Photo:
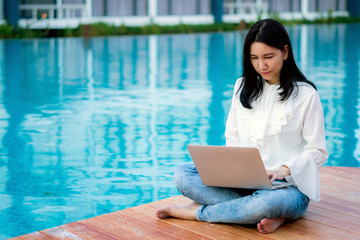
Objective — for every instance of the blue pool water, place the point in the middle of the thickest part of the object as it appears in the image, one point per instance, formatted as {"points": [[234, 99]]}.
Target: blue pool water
{"points": [[91, 126]]}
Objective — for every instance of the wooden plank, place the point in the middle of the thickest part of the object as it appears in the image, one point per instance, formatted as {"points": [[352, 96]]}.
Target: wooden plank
{"points": [[335, 223], [339, 174], [251, 232], [352, 171], [332, 232], [329, 213], [162, 225], [340, 205], [86, 232], [112, 229], [34, 236], [304, 232], [127, 223], [338, 181], [60, 233], [342, 192], [351, 174], [343, 184]]}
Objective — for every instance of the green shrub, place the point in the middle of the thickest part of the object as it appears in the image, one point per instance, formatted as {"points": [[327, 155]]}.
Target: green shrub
{"points": [[6, 31], [104, 29]]}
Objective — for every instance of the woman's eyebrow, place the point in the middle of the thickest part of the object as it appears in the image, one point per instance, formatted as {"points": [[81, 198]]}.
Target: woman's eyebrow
{"points": [[266, 54]]}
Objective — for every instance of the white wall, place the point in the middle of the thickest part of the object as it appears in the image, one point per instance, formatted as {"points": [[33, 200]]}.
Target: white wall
{"points": [[120, 12]]}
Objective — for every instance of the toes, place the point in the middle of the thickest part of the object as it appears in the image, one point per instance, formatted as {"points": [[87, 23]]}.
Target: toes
{"points": [[260, 228], [269, 225], [161, 213]]}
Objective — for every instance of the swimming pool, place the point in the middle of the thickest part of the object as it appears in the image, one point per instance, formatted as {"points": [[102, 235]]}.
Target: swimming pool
{"points": [[91, 126]]}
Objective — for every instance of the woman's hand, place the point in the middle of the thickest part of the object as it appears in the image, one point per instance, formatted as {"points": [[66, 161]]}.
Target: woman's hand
{"points": [[279, 173]]}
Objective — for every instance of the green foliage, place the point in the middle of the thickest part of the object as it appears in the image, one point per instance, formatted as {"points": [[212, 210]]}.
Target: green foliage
{"points": [[6, 31], [275, 16], [69, 32], [104, 29]]}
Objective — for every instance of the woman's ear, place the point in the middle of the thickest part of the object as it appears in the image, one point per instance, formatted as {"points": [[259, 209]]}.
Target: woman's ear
{"points": [[285, 52]]}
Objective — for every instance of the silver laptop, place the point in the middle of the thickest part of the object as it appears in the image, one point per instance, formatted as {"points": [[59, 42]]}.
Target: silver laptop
{"points": [[235, 167]]}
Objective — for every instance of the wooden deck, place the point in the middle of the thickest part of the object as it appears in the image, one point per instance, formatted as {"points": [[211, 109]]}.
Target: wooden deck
{"points": [[337, 216]]}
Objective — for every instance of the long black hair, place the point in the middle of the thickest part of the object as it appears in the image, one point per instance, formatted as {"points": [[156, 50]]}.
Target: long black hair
{"points": [[273, 34]]}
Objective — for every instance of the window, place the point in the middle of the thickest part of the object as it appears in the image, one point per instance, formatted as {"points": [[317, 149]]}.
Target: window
{"points": [[184, 7], [119, 7]]}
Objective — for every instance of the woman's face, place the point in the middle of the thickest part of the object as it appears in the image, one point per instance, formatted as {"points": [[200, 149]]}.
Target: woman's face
{"points": [[268, 60]]}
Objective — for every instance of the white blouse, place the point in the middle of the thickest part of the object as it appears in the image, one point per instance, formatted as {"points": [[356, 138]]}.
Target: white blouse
{"points": [[289, 133]]}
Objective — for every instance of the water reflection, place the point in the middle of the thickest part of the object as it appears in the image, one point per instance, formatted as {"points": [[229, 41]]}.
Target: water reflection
{"points": [[333, 63], [90, 126], [16, 147], [350, 101]]}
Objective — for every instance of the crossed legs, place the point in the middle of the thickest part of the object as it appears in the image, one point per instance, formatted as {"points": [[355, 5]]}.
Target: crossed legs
{"points": [[264, 207]]}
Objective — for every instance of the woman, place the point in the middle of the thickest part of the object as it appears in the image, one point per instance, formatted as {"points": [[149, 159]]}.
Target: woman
{"points": [[277, 110]]}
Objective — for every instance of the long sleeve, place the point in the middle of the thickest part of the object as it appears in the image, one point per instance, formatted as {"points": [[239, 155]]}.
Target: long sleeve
{"points": [[305, 167], [231, 131]]}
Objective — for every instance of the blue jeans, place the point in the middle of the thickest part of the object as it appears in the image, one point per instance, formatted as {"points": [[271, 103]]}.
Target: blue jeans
{"points": [[241, 206]]}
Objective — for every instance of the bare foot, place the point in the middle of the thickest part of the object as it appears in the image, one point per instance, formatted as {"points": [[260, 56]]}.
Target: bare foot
{"points": [[187, 212], [269, 225]]}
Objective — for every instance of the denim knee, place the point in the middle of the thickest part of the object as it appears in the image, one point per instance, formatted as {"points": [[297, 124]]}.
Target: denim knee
{"points": [[289, 203], [181, 176]]}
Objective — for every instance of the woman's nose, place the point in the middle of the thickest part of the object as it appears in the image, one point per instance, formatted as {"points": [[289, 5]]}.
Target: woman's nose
{"points": [[262, 65]]}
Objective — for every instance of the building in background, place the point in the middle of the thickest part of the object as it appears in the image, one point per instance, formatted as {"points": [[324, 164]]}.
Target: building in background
{"points": [[70, 13]]}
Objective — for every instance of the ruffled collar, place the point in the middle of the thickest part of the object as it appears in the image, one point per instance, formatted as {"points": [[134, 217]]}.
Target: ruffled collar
{"points": [[268, 115]]}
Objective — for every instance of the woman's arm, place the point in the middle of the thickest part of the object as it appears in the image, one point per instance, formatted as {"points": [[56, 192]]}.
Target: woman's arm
{"points": [[304, 168]]}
